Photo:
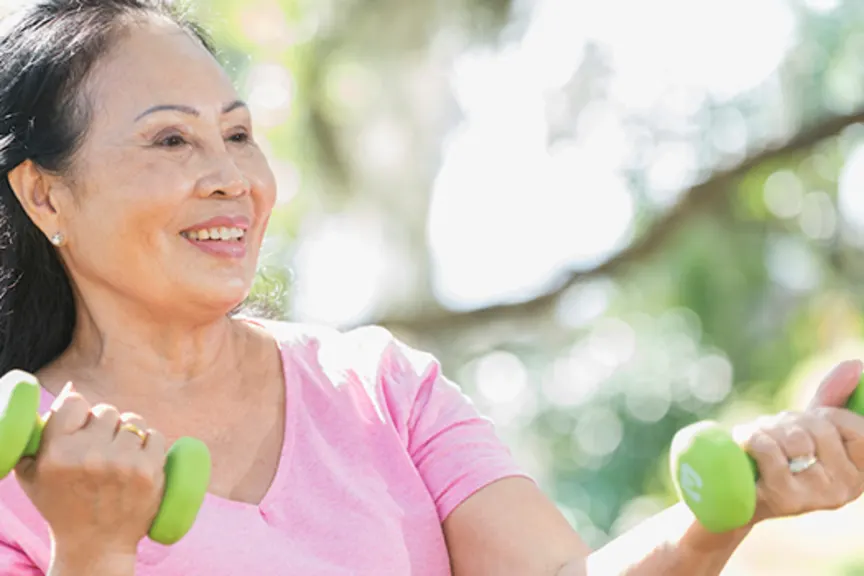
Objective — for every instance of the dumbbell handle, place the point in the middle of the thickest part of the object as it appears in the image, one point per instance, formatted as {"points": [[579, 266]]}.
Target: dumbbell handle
{"points": [[35, 440]]}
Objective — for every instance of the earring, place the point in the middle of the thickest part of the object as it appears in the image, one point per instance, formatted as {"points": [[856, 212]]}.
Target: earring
{"points": [[57, 239]]}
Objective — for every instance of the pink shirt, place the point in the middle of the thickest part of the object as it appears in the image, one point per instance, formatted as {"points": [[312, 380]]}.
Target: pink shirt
{"points": [[379, 448]]}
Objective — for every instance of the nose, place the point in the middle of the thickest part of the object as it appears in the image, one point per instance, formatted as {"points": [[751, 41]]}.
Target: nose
{"points": [[224, 179]]}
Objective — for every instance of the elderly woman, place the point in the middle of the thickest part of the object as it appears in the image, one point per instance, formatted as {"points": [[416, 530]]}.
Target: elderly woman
{"points": [[134, 200]]}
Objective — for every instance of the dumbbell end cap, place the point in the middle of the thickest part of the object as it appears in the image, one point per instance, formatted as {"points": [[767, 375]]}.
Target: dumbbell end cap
{"points": [[714, 476], [19, 405], [855, 402], [188, 467]]}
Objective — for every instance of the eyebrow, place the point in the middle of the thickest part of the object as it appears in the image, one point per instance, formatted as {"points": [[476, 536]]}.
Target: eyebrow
{"points": [[189, 109]]}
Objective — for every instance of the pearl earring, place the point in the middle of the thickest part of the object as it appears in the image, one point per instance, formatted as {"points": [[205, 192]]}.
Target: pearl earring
{"points": [[57, 239]]}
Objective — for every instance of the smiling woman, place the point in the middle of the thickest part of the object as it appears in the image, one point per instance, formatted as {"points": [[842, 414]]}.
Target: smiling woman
{"points": [[133, 203]]}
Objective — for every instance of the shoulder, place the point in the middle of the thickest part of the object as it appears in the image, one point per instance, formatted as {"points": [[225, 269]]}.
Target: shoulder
{"points": [[370, 346], [370, 356]]}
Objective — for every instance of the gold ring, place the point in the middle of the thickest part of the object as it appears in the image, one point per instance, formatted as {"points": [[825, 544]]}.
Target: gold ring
{"points": [[135, 430]]}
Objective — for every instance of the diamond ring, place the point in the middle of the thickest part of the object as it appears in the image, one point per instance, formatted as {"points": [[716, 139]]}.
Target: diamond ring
{"points": [[798, 465]]}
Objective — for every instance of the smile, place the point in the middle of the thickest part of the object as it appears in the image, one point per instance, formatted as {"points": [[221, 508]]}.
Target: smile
{"points": [[220, 233], [220, 241]]}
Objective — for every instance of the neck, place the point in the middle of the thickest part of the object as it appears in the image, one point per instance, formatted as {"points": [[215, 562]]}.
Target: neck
{"points": [[122, 348]]}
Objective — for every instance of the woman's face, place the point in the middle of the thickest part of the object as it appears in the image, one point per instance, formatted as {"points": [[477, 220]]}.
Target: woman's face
{"points": [[169, 195]]}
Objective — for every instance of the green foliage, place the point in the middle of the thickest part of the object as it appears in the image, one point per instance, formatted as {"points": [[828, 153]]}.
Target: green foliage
{"points": [[718, 322]]}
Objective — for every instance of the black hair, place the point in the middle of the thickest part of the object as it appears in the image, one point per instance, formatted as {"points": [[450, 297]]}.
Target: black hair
{"points": [[46, 52]]}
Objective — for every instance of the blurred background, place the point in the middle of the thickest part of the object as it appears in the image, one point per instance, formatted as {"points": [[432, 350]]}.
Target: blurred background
{"points": [[607, 219]]}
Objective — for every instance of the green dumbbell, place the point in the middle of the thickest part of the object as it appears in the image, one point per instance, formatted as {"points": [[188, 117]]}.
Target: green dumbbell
{"points": [[187, 462], [716, 478]]}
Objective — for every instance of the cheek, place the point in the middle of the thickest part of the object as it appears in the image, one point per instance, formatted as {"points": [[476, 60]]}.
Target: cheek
{"points": [[125, 222], [263, 183], [111, 243]]}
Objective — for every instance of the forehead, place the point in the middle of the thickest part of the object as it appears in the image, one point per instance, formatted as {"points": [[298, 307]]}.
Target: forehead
{"points": [[155, 62]]}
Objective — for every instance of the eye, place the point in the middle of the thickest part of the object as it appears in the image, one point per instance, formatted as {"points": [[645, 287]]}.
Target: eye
{"points": [[240, 137], [171, 141]]}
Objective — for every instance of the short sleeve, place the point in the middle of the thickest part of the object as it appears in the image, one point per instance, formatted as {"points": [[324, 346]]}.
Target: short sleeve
{"points": [[14, 561], [455, 448], [25, 541]]}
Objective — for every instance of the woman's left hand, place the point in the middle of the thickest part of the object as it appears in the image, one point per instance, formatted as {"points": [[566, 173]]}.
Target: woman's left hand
{"points": [[811, 460]]}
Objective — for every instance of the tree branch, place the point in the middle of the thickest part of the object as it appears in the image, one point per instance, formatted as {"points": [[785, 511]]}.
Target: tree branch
{"points": [[694, 200]]}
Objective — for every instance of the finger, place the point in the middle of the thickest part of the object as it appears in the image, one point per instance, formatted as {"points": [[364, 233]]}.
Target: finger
{"points": [[849, 425], [795, 434], [69, 413], [155, 446], [770, 459], [838, 386], [133, 439], [104, 420], [794, 440], [856, 454], [154, 452], [830, 448]]}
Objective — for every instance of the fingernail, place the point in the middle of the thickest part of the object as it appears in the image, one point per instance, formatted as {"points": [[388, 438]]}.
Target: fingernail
{"points": [[850, 366], [66, 391], [845, 367]]}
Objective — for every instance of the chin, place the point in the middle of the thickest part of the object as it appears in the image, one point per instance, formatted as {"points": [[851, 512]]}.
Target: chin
{"points": [[221, 300]]}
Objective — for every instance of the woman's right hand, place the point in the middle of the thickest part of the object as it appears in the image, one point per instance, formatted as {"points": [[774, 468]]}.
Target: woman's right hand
{"points": [[97, 485]]}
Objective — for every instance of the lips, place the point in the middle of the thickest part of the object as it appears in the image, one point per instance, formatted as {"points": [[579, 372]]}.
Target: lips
{"points": [[223, 236], [221, 228]]}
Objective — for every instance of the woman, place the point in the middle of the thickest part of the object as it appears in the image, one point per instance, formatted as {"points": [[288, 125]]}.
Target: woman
{"points": [[133, 207]]}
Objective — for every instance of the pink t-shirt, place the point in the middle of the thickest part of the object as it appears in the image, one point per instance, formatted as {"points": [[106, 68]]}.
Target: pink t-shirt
{"points": [[379, 448]]}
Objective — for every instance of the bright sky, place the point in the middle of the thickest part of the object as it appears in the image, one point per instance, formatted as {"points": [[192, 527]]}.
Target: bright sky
{"points": [[507, 212]]}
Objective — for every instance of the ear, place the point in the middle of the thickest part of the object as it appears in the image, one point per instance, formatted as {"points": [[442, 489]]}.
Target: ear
{"points": [[38, 192]]}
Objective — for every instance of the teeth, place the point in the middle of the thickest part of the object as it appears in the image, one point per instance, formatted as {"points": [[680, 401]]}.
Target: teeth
{"points": [[221, 233]]}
